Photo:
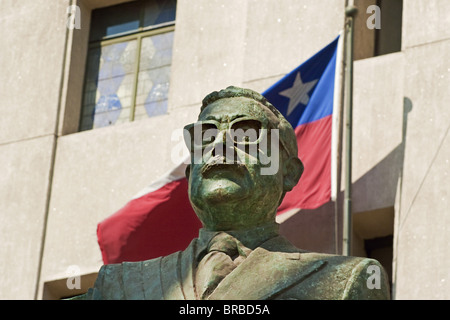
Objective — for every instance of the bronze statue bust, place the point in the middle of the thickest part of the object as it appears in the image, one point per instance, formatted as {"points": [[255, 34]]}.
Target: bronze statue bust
{"points": [[244, 160]]}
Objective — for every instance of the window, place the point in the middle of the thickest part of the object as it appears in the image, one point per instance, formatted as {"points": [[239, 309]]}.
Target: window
{"points": [[128, 63]]}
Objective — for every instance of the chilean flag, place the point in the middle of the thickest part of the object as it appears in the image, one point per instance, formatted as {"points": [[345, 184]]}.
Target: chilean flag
{"points": [[306, 97], [160, 219]]}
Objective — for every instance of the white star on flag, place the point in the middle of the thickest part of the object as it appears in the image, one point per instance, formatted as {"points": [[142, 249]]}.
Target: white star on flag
{"points": [[298, 93]]}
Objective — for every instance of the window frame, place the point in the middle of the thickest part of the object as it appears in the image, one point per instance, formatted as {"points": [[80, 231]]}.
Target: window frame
{"points": [[137, 34]]}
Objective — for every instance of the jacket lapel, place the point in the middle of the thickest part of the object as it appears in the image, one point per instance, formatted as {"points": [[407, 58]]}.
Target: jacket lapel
{"points": [[265, 275], [170, 282], [176, 274], [187, 267]]}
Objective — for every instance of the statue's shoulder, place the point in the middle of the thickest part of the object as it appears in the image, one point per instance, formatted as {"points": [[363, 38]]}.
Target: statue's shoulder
{"points": [[124, 280], [331, 276], [367, 279], [345, 277]]}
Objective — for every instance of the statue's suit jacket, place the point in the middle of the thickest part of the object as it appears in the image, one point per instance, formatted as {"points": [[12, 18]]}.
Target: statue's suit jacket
{"points": [[274, 270]]}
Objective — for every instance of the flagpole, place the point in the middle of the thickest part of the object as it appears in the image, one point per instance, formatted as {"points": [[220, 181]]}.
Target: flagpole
{"points": [[350, 13], [336, 138]]}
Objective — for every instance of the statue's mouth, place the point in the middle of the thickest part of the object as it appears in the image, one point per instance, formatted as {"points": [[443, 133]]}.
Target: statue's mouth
{"points": [[219, 164]]}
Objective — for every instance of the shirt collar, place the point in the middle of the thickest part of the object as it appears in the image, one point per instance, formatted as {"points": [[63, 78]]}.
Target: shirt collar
{"points": [[250, 238]]}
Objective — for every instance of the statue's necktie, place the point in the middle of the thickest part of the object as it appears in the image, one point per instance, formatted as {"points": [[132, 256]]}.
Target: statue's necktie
{"points": [[224, 254]]}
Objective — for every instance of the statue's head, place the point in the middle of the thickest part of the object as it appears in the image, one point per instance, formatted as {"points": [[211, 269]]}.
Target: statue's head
{"points": [[243, 160]]}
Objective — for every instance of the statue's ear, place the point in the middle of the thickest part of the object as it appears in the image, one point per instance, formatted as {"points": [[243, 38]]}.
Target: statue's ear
{"points": [[187, 171], [292, 171]]}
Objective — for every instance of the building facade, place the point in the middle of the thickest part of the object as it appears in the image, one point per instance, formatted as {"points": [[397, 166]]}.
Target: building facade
{"points": [[68, 160]]}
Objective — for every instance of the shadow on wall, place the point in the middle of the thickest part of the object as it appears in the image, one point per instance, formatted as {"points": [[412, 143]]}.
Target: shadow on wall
{"points": [[320, 230]]}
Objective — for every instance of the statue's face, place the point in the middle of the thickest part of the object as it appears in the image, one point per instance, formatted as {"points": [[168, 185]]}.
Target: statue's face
{"points": [[230, 145]]}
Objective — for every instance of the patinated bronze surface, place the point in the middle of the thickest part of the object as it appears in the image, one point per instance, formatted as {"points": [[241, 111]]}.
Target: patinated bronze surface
{"points": [[244, 160]]}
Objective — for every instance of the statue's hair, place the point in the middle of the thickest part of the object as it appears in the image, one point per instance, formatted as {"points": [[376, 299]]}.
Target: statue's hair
{"points": [[285, 129]]}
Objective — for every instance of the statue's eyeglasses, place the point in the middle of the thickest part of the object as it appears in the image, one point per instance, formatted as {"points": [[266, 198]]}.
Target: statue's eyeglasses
{"points": [[242, 131]]}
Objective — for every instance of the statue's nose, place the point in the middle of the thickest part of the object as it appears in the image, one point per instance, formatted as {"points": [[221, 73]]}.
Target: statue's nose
{"points": [[223, 146]]}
